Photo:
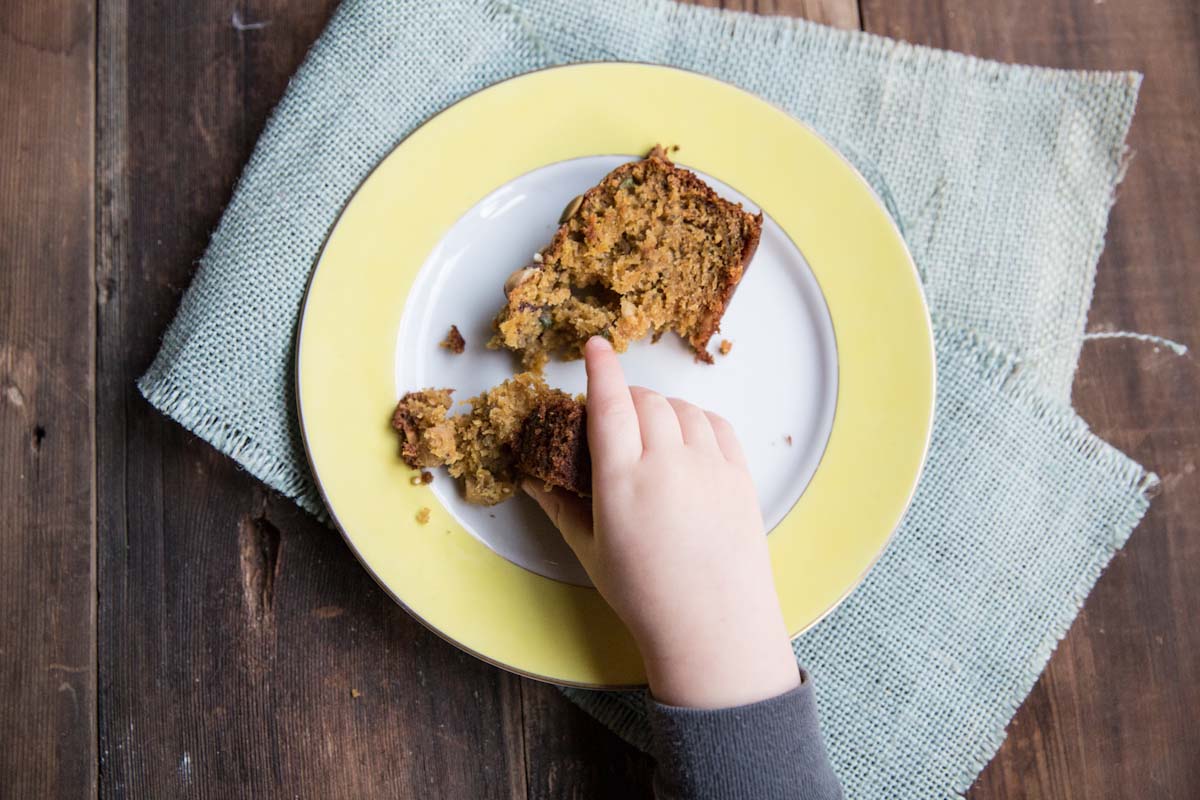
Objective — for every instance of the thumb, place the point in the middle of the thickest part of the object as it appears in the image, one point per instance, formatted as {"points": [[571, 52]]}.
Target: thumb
{"points": [[570, 514]]}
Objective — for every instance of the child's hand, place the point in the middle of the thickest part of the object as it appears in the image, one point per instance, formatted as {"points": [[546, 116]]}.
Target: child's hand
{"points": [[674, 541]]}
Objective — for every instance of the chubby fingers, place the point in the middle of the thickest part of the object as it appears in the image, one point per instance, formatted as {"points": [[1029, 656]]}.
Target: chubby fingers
{"points": [[695, 425], [727, 440], [570, 514], [625, 421], [657, 420], [612, 420]]}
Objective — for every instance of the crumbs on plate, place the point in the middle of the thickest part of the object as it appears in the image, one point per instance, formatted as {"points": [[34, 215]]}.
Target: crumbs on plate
{"points": [[454, 341]]}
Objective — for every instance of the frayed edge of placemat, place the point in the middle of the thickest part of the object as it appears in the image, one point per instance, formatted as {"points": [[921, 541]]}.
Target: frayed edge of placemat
{"points": [[171, 399], [623, 713], [1004, 372], [774, 29]]}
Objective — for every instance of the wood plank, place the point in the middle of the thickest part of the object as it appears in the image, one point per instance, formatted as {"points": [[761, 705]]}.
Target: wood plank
{"points": [[47, 527], [571, 756], [189, 541], [838, 13], [1114, 715], [243, 650]]}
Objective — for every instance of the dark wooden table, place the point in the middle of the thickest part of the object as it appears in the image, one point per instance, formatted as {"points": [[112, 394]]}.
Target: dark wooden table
{"points": [[168, 628]]}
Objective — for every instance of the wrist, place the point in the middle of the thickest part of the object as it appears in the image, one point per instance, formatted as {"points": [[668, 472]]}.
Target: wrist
{"points": [[721, 671]]}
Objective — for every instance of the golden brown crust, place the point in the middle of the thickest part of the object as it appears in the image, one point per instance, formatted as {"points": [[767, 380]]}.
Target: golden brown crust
{"points": [[713, 325]]}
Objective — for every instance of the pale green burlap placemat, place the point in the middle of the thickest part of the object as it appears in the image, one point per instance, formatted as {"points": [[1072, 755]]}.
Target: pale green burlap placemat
{"points": [[1001, 178]]}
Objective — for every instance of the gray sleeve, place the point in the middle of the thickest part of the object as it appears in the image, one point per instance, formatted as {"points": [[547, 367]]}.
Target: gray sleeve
{"points": [[769, 750]]}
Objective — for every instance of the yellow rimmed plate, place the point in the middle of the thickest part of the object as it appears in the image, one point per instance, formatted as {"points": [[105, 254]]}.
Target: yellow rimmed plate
{"points": [[830, 383]]}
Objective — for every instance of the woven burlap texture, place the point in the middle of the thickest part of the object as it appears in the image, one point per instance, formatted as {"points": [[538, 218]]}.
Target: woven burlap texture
{"points": [[1000, 177]]}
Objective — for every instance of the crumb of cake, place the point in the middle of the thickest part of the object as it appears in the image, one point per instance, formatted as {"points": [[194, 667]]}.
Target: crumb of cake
{"points": [[355, 693], [423, 478], [726, 346], [423, 516], [454, 341], [651, 248], [788, 439]]}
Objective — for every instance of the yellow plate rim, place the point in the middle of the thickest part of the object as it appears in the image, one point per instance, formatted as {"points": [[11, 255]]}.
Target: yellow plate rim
{"points": [[862, 183]]}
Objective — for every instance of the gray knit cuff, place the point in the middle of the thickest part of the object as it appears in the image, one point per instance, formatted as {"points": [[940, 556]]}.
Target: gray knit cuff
{"points": [[768, 750]]}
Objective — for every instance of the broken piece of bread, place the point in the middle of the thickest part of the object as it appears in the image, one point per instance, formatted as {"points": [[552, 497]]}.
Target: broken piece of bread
{"points": [[552, 445], [520, 426], [650, 249]]}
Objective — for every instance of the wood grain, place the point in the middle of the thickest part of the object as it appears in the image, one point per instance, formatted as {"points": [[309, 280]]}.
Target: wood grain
{"points": [[1115, 713], [838, 13], [243, 650], [570, 756], [47, 542]]}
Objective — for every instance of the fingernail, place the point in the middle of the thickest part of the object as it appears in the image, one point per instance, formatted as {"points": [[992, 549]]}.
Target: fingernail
{"points": [[599, 341]]}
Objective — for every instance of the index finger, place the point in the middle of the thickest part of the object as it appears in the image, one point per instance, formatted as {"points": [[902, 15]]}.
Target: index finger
{"points": [[613, 433]]}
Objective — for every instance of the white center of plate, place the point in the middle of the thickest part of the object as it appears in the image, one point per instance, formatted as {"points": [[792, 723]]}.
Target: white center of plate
{"points": [[778, 385]]}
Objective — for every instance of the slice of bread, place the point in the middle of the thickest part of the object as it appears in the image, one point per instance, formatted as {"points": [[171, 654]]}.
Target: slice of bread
{"points": [[520, 426], [650, 249]]}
